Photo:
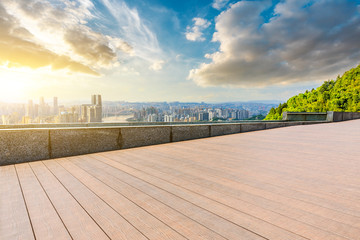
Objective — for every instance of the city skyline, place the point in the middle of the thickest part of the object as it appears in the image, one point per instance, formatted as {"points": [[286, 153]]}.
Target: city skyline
{"points": [[192, 51], [57, 111]]}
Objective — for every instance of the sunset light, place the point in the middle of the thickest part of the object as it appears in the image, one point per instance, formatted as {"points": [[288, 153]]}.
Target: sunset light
{"points": [[225, 49], [180, 119]]}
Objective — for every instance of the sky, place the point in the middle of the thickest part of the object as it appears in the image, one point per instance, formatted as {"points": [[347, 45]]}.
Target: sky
{"points": [[172, 50]]}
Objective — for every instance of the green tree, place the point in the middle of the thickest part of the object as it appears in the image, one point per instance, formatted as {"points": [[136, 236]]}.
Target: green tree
{"points": [[342, 94]]}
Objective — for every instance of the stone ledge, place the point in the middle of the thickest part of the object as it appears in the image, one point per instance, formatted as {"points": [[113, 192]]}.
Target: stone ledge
{"points": [[275, 125], [249, 127], [25, 145], [70, 142], [145, 136], [329, 116], [18, 146], [223, 129], [182, 133], [304, 116]]}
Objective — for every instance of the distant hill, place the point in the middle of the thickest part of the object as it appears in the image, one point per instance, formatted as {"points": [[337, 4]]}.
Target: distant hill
{"points": [[342, 95]]}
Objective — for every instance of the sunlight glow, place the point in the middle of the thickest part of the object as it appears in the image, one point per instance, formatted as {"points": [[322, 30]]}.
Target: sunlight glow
{"points": [[16, 83]]}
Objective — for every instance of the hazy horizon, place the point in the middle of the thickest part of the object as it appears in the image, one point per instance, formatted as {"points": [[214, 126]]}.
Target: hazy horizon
{"points": [[84, 101]]}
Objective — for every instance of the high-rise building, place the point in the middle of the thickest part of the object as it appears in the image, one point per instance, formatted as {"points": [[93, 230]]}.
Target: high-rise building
{"points": [[84, 112], [41, 106], [243, 114], [41, 101], [203, 116], [212, 115], [92, 112], [36, 110], [98, 109], [56, 106], [99, 102], [152, 117], [168, 118], [98, 113], [93, 99], [30, 109], [234, 115]]}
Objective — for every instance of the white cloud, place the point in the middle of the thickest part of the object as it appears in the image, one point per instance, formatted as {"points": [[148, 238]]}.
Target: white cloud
{"points": [[157, 65], [195, 33], [58, 28], [134, 30], [219, 4], [299, 43]]}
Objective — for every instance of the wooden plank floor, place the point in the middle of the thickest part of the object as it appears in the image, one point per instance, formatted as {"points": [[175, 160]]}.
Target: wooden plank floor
{"points": [[300, 182]]}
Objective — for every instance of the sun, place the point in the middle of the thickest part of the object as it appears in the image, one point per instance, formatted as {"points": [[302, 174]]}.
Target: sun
{"points": [[15, 84]]}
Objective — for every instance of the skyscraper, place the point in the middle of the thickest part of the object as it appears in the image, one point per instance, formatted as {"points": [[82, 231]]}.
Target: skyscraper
{"points": [[93, 99], [92, 112], [41, 101], [99, 102], [41, 107], [30, 109], [98, 109], [56, 106]]}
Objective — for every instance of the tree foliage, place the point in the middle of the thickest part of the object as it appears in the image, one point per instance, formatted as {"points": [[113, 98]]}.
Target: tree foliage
{"points": [[257, 117], [341, 95]]}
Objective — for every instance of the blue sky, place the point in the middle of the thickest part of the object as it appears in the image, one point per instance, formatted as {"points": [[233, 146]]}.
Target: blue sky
{"points": [[158, 50]]}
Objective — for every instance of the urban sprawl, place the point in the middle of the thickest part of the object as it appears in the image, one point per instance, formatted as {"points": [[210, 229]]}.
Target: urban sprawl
{"points": [[98, 111]]}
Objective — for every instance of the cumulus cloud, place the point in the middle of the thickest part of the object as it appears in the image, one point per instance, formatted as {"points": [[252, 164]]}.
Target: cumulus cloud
{"points": [[18, 50], [157, 65], [219, 4], [41, 33], [90, 45], [195, 33], [304, 40]]}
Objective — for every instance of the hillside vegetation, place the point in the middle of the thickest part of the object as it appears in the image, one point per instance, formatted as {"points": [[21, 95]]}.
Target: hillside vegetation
{"points": [[342, 95]]}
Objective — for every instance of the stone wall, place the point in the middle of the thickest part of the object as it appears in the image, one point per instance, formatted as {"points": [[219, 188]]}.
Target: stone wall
{"points": [[19, 145], [329, 116], [304, 116], [25, 145]]}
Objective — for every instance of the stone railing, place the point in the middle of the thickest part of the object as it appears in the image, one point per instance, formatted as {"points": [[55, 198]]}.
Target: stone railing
{"points": [[25, 143], [320, 116], [30, 144]]}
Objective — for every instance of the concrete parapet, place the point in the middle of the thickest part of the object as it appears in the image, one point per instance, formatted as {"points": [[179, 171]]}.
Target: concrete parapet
{"points": [[304, 116], [347, 116], [17, 146], [223, 129], [293, 123], [143, 136], [108, 124], [274, 125], [30, 144], [356, 115], [70, 142], [313, 122], [329, 116], [181, 133], [334, 116], [249, 127]]}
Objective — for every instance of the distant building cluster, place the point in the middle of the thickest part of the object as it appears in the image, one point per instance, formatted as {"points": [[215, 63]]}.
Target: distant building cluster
{"points": [[84, 113], [43, 112], [152, 114], [120, 111]]}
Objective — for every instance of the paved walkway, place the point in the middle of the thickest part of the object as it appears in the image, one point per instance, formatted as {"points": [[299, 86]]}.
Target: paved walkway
{"points": [[300, 182]]}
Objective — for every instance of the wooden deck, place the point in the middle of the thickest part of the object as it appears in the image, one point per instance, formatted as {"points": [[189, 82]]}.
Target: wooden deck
{"points": [[289, 183]]}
